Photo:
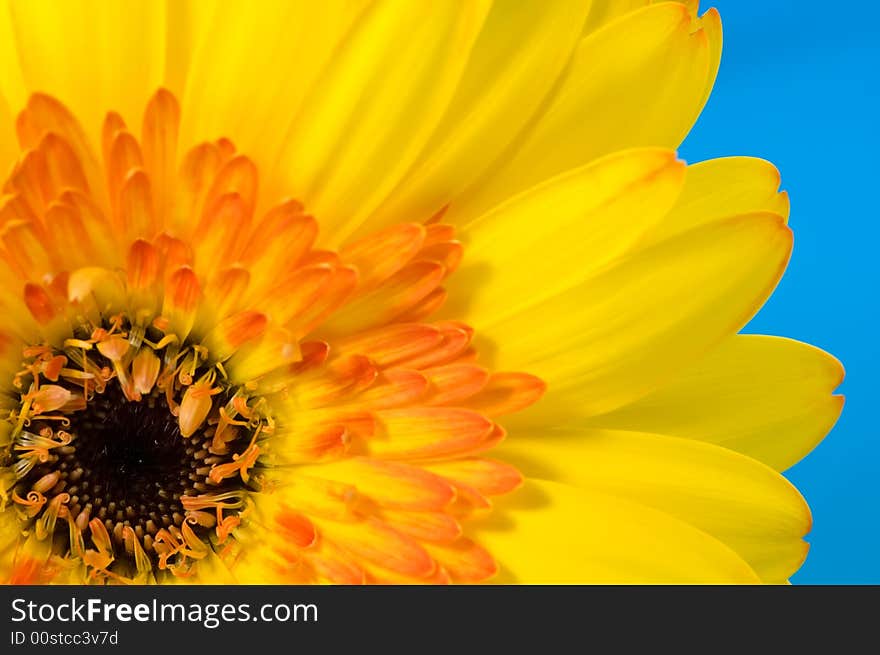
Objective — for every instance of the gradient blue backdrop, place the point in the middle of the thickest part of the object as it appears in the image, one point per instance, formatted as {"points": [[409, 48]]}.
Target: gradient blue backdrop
{"points": [[798, 86]]}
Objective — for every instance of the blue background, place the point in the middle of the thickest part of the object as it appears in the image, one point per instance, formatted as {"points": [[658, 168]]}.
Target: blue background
{"points": [[798, 86]]}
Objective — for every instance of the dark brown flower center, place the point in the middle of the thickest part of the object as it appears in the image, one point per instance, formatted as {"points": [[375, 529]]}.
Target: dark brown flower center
{"points": [[128, 462], [98, 448], [128, 465]]}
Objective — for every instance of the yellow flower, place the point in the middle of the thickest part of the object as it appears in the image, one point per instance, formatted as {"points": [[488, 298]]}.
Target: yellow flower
{"points": [[233, 349]]}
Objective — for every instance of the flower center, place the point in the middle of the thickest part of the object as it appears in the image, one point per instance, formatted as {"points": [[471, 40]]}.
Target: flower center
{"points": [[128, 462], [127, 433]]}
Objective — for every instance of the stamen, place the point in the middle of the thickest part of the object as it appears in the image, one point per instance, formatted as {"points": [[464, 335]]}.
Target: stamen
{"points": [[133, 548], [100, 558], [45, 525], [145, 371], [33, 503], [240, 464]]}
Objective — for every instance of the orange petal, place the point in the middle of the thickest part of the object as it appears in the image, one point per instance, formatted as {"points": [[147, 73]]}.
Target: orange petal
{"points": [[226, 148], [295, 528], [159, 140], [276, 348], [113, 124], [44, 114], [380, 545], [486, 476], [379, 576], [28, 181], [394, 388], [318, 497], [234, 331], [136, 215], [63, 168], [396, 295], [66, 228], [227, 288], [334, 566], [426, 307], [449, 253], [58, 285], [124, 158], [102, 286], [39, 303], [29, 563], [390, 484], [508, 392], [293, 296], [453, 383], [456, 338], [15, 208], [218, 238], [340, 379], [96, 224], [314, 353], [379, 256], [465, 560], [357, 423], [424, 526], [238, 176], [309, 444], [438, 233], [394, 344], [182, 294], [26, 571], [176, 253], [315, 257], [334, 294], [425, 432], [28, 249], [279, 241], [143, 265], [196, 175]]}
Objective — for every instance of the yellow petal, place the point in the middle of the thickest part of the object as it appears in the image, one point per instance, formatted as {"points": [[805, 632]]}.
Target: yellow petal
{"points": [[621, 334], [90, 55], [639, 81], [8, 144], [557, 234], [10, 533], [710, 22], [723, 187], [729, 496], [274, 350], [534, 40], [104, 285], [27, 561], [13, 91], [550, 532], [252, 65], [768, 397], [375, 106], [603, 12]]}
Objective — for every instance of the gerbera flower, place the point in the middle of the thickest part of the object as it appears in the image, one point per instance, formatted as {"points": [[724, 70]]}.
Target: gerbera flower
{"points": [[293, 321]]}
